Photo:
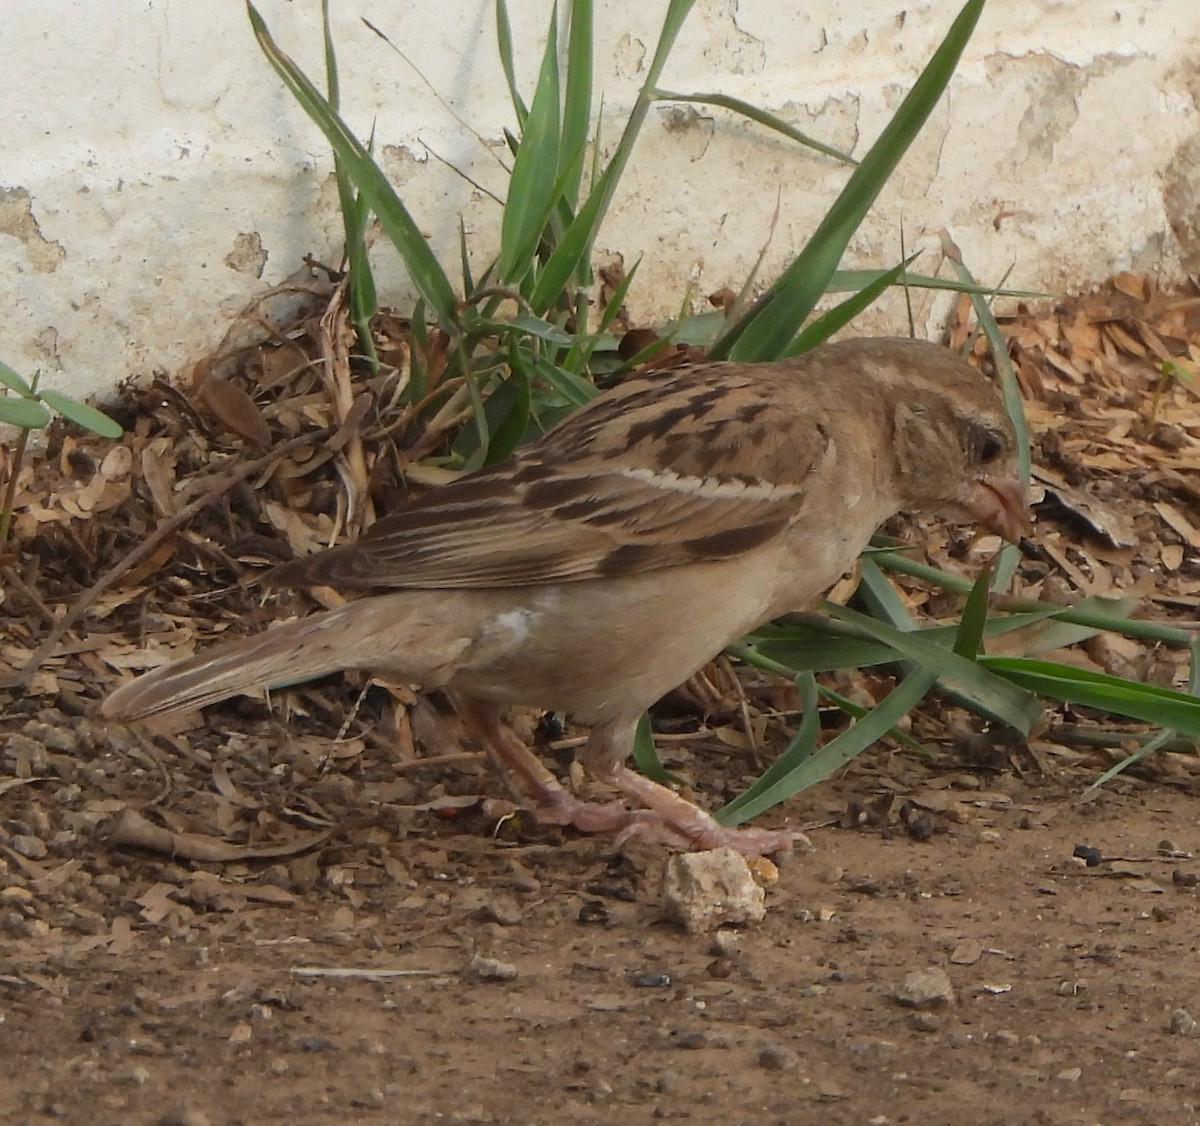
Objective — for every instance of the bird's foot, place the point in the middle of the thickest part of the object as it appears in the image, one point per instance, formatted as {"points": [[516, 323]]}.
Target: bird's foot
{"points": [[650, 826], [559, 806], [667, 819], [658, 815]]}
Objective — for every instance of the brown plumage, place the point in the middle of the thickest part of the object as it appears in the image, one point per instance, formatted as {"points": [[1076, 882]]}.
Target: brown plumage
{"points": [[601, 566]]}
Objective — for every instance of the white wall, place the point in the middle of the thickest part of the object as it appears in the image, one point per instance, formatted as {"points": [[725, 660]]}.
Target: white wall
{"points": [[157, 177]]}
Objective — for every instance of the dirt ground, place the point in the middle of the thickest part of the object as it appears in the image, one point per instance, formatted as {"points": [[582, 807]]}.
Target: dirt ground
{"points": [[138, 990], [304, 917]]}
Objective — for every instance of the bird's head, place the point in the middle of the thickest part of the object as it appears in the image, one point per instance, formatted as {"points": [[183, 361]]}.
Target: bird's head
{"points": [[955, 446]]}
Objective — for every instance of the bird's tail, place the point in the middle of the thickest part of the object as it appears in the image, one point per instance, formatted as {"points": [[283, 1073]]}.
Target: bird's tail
{"points": [[389, 633]]}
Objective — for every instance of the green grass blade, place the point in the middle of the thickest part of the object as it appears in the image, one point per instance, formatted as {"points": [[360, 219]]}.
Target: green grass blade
{"points": [[583, 347], [1147, 702], [759, 115], [531, 186], [1154, 743], [574, 248], [573, 389], [824, 646], [15, 382], [1157, 741], [476, 436], [807, 769], [81, 414], [418, 379], [577, 99], [423, 267], [969, 637], [1006, 563], [768, 327], [504, 45], [331, 69], [1006, 701], [464, 256], [542, 329], [645, 754], [999, 349], [508, 412], [28, 414], [844, 312], [355, 213], [882, 599], [847, 281], [364, 298], [1091, 613], [802, 745]]}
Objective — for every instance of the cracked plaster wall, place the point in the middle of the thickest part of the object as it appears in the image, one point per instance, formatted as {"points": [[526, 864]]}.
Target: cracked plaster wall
{"points": [[157, 177]]}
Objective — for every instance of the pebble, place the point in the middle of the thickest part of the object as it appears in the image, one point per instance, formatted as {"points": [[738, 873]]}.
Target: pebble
{"points": [[775, 1057], [666, 1082], [184, 1116], [924, 1022], [481, 968], [243, 1033], [57, 738], [929, 988], [1182, 1023], [650, 979], [720, 968], [704, 890], [500, 909], [967, 953], [725, 944], [30, 749], [593, 913], [692, 1041], [32, 848]]}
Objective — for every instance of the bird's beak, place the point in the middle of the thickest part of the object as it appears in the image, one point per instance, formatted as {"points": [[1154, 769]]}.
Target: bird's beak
{"points": [[1000, 505]]}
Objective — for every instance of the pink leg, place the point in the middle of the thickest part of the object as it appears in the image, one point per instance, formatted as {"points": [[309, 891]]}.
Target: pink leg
{"points": [[527, 776], [691, 826], [665, 817]]}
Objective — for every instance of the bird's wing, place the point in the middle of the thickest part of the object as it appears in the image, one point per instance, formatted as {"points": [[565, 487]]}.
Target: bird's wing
{"points": [[700, 463]]}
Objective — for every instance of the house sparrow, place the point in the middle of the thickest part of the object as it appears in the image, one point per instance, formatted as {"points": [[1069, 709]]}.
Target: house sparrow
{"points": [[601, 566]]}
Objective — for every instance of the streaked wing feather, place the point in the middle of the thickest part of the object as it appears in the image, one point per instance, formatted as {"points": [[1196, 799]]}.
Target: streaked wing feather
{"points": [[703, 463]]}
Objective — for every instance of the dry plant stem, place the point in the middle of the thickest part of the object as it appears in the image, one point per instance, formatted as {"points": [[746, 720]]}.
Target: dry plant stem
{"points": [[10, 493], [439, 760], [149, 545], [252, 312], [346, 973], [336, 359], [14, 580], [129, 829]]}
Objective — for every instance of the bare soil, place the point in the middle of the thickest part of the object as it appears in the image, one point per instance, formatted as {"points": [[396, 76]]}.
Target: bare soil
{"points": [[140, 990]]}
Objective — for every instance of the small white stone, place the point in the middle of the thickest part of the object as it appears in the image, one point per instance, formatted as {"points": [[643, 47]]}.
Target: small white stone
{"points": [[704, 890]]}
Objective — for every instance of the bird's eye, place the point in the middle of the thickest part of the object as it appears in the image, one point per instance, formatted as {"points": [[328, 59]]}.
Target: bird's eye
{"points": [[984, 445]]}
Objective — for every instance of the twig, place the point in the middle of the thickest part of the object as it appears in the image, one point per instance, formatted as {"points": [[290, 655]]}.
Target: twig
{"points": [[10, 576], [129, 829], [148, 546], [365, 975]]}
